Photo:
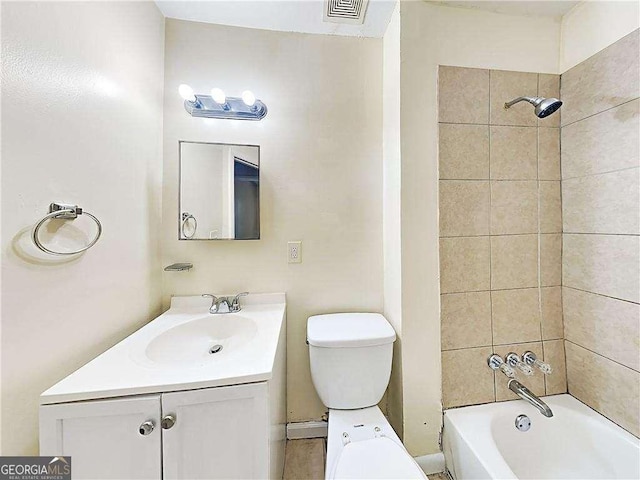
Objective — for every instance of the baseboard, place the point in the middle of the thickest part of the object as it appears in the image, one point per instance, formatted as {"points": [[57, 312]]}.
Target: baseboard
{"points": [[298, 430], [431, 464]]}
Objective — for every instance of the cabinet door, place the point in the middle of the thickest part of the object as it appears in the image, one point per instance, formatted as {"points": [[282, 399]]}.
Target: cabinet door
{"points": [[103, 437], [218, 433]]}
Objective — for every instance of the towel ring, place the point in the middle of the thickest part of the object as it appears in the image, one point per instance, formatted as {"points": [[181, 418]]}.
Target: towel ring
{"points": [[66, 212], [185, 218]]}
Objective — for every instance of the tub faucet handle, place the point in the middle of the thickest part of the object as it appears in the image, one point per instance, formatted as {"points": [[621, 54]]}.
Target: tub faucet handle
{"points": [[530, 358], [513, 360], [496, 363]]}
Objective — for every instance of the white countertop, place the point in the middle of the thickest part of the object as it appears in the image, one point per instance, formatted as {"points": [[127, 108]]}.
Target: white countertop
{"points": [[125, 368]]}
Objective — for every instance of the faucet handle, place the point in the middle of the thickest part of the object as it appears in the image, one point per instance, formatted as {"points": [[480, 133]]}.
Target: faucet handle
{"points": [[496, 363], [213, 298], [235, 303], [513, 360], [530, 358]]}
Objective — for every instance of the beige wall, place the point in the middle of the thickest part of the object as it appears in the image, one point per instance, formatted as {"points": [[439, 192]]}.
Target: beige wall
{"points": [[320, 168], [593, 25], [601, 216], [500, 232], [433, 35], [392, 222], [81, 122]]}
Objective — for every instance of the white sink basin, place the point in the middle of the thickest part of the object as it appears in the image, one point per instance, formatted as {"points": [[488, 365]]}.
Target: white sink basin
{"points": [[172, 352], [214, 338]]}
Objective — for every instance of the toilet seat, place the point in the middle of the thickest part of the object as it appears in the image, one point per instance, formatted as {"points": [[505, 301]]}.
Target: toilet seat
{"points": [[376, 458]]}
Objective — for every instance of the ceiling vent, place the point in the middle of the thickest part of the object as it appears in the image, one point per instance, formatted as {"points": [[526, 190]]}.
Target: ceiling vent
{"points": [[345, 11]]}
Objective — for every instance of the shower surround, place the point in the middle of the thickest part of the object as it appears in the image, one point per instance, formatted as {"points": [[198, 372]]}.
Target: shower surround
{"points": [[601, 215], [500, 232], [524, 267]]}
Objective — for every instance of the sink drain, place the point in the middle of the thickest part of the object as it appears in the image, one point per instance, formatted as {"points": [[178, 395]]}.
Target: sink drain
{"points": [[215, 349]]}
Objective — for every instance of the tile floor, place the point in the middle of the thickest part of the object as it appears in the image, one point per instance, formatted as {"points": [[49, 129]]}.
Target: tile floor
{"points": [[304, 460]]}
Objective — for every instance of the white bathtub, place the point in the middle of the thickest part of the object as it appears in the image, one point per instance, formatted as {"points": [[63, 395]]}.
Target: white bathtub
{"points": [[576, 443]]}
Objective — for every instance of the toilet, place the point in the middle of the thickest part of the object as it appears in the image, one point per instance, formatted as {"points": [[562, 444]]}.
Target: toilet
{"points": [[350, 355]]}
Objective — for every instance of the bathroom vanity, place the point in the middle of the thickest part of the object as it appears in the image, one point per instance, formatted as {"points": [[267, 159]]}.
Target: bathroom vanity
{"points": [[191, 395]]}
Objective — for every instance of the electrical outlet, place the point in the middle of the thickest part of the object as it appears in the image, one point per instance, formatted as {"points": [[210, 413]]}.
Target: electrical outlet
{"points": [[295, 252]]}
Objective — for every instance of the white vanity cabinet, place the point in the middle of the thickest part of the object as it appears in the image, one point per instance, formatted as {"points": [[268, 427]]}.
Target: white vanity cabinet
{"points": [[191, 395], [213, 433]]}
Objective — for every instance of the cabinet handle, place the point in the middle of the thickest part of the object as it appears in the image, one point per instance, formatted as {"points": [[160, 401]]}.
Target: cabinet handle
{"points": [[146, 428], [168, 421]]}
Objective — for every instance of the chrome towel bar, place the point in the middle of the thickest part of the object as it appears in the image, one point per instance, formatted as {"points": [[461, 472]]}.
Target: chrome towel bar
{"points": [[64, 211]]}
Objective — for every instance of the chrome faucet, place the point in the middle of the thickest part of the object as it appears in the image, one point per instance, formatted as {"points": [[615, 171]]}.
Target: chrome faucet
{"points": [[528, 396], [225, 304]]}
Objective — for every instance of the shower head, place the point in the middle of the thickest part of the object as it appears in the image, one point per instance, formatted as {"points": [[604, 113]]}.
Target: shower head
{"points": [[544, 106]]}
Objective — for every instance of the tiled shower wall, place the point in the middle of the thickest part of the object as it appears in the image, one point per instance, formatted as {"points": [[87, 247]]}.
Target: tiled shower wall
{"points": [[601, 214], [500, 232]]}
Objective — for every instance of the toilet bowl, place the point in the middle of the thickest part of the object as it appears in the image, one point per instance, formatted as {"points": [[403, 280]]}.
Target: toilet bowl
{"points": [[350, 356]]}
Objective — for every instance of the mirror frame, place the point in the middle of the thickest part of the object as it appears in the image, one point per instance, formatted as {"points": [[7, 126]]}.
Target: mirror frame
{"points": [[180, 142]]}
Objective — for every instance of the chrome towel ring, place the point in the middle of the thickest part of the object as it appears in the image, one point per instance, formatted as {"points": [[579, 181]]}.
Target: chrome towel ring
{"points": [[186, 216], [64, 211]]}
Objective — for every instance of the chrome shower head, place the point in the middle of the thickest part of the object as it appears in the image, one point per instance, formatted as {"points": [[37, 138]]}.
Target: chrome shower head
{"points": [[544, 106]]}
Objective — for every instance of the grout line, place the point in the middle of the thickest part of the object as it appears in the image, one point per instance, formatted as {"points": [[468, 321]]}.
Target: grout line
{"points": [[492, 125], [598, 113], [616, 170], [599, 234], [512, 235], [601, 355], [501, 290], [599, 294], [495, 388], [528, 342]]}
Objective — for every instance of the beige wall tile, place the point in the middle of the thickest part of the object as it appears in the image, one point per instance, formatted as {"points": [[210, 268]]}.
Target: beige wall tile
{"points": [[465, 320], [463, 95], [513, 153], [464, 151], [605, 80], [549, 86], [556, 382], [550, 207], [514, 207], [304, 459], [464, 207], [514, 261], [592, 378], [604, 325], [464, 264], [602, 143], [605, 264], [516, 316], [535, 382], [605, 203], [506, 86], [550, 259], [549, 153], [466, 378], [551, 303]]}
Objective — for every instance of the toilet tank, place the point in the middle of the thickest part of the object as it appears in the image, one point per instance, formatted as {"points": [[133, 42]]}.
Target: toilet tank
{"points": [[350, 356]]}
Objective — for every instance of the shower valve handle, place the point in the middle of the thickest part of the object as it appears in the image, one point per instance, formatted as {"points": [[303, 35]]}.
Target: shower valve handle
{"points": [[530, 358], [496, 363], [513, 360]]}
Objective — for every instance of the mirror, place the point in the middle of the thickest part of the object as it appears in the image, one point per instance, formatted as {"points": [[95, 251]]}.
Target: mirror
{"points": [[219, 192]]}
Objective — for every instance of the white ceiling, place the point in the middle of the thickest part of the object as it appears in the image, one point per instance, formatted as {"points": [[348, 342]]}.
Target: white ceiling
{"points": [[283, 15], [537, 8], [306, 15]]}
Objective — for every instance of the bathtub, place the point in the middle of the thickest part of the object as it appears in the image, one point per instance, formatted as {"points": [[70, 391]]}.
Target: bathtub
{"points": [[576, 443]]}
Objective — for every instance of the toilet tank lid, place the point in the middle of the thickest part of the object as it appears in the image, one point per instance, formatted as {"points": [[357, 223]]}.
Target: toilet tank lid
{"points": [[349, 330]]}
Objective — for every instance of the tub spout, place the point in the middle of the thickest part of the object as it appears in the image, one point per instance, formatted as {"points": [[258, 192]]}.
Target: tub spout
{"points": [[528, 396]]}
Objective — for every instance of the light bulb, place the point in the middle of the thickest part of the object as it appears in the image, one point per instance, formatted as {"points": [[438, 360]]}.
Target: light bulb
{"points": [[248, 98], [218, 96], [186, 92]]}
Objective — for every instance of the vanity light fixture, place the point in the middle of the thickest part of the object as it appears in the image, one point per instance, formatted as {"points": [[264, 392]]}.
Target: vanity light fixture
{"points": [[218, 105]]}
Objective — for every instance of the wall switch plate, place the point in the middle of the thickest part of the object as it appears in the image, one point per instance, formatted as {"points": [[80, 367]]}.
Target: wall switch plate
{"points": [[294, 250]]}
